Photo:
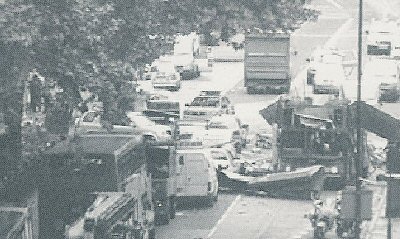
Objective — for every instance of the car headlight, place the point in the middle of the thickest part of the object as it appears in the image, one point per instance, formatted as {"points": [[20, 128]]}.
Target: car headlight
{"points": [[334, 170]]}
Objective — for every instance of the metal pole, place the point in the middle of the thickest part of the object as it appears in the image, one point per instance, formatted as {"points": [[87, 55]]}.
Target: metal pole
{"points": [[389, 225], [359, 136]]}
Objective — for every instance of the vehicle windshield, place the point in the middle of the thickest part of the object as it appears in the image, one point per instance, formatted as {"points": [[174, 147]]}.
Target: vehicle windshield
{"points": [[165, 76], [161, 105], [205, 101], [90, 117], [224, 123]]}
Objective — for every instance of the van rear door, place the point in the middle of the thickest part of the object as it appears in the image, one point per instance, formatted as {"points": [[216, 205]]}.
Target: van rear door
{"points": [[193, 174]]}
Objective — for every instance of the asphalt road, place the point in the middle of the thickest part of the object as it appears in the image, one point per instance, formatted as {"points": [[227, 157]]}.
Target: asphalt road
{"points": [[239, 216]]}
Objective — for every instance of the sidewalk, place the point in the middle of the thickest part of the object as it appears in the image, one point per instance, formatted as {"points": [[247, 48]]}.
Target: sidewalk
{"points": [[377, 227]]}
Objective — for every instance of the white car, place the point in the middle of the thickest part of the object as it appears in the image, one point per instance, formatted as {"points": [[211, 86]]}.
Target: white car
{"points": [[222, 158], [206, 105], [226, 129], [148, 127]]}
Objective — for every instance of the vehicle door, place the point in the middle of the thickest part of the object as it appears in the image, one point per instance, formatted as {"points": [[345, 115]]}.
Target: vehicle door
{"points": [[194, 177]]}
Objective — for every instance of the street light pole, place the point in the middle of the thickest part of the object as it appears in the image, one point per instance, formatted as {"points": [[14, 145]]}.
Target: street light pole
{"points": [[358, 122]]}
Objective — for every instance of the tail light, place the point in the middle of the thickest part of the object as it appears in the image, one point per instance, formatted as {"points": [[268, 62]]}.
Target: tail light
{"points": [[209, 186]]}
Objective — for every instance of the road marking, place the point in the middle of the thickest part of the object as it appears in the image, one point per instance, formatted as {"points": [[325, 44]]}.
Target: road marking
{"points": [[299, 81], [334, 3], [338, 34], [224, 216]]}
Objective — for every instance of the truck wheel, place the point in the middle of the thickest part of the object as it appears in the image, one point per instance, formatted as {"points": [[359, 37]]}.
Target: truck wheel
{"points": [[165, 219], [172, 210], [152, 233]]}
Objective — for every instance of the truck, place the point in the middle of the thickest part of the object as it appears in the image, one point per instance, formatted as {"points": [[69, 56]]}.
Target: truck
{"points": [[185, 65], [161, 160], [164, 75], [111, 215], [308, 134], [185, 49], [380, 37], [326, 78], [384, 76], [267, 63], [88, 164]]}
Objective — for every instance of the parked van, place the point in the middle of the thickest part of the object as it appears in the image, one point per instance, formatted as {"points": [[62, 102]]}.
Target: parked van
{"points": [[196, 175]]}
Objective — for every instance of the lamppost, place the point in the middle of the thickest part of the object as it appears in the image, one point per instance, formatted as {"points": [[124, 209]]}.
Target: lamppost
{"points": [[358, 122]]}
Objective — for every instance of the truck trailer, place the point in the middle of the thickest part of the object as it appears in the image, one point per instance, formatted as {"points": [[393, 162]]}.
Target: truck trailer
{"points": [[267, 63], [87, 164], [162, 167]]}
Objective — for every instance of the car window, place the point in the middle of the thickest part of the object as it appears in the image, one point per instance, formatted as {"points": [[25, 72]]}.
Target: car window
{"points": [[217, 125], [217, 155], [90, 117]]}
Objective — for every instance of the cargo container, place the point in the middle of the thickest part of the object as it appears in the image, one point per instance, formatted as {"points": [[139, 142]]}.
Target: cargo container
{"points": [[267, 63]]}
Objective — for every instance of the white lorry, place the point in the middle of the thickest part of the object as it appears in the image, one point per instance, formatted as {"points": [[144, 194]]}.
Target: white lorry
{"points": [[384, 75], [326, 72], [185, 48], [380, 37], [164, 75]]}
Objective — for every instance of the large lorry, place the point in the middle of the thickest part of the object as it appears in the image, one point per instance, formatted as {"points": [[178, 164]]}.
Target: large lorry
{"points": [[161, 160], [383, 75], [185, 49], [310, 134], [112, 215], [380, 37], [267, 63], [164, 75], [185, 65], [326, 73], [87, 164]]}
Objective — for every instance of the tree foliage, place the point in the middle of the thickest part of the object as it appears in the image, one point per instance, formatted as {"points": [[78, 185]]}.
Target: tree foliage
{"points": [[98, 44]]}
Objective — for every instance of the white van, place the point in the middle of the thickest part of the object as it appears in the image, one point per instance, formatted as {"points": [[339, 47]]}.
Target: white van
{"points": [[196, 175]]}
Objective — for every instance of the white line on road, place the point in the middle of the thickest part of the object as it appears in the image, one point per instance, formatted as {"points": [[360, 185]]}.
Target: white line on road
{"points": [[224, 216], [338, 34], [299, 84]]}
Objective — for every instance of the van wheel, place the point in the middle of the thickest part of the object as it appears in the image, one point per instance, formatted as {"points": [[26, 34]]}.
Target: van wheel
{"points": [[210, 201], [215, 198], [172, 210]]}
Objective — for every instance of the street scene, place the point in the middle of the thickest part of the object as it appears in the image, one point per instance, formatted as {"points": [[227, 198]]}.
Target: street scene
{"points": [[200, 120]]}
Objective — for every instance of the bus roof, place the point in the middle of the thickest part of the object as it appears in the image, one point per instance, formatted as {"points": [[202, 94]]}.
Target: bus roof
{"points": [[96, 144]]}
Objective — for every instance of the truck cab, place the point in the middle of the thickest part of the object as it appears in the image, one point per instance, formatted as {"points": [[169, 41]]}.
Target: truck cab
{"points": [[161, 160], [383, 76], [380, 36]]}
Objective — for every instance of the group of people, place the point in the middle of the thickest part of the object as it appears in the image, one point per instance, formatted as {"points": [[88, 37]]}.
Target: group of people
{"points": [[323, 218]]}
